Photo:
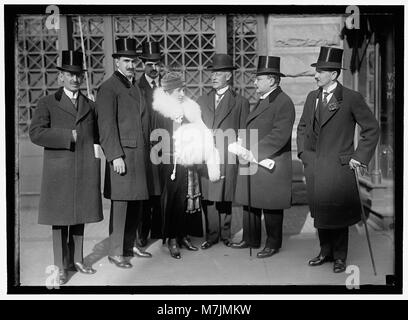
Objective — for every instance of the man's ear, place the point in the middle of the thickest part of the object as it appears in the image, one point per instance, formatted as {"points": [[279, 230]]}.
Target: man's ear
{"points": [[229, 75]]}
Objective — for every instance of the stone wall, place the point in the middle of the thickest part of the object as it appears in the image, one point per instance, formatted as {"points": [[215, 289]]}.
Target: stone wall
{"points": [[297, 40]]}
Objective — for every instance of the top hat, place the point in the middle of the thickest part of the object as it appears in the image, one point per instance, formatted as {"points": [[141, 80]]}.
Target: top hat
{"points": [[269, 65], [125, 47], [71, 61], [151, 51], [329, 58], [221, 61], [171, 80]]}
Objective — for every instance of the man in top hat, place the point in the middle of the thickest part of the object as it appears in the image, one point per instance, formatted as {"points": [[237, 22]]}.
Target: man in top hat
{"points": [[224, 111], [64, 124], [262, 189], [123, 121], [325, 137], [150, 79]]}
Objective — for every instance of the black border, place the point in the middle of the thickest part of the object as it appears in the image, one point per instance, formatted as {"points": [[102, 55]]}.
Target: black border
{"points": [[10, 15]]}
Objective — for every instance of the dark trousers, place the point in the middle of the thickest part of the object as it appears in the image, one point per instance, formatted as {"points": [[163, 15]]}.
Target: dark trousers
{"points": [[252, 227], [67, 244], [218, 220], [124, 219], [334, 242], [150, 221]]}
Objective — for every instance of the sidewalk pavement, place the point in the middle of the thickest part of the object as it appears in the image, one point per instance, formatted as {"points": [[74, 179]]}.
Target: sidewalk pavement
{"points": [[218, 265]]}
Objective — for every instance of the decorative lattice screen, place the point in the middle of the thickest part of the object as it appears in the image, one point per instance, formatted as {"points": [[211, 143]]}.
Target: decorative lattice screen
{"points": [[187, 42], [242, 45], [93, 33], [37, 59]]}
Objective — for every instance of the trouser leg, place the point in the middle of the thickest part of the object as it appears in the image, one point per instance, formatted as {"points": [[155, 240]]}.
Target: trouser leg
{"points": [[325, 242], [252, 226], [273, 226], [340, 243], [117, 227], [146, 220], [76, 240], [212, 221], [60, 246], [133, 215], [225, 220]]}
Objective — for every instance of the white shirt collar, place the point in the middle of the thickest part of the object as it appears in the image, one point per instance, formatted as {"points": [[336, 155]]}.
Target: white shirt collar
{"points": [[331, 88], [149, 80], [267, 94], [70, 94], [222, 91], [131, 80]]}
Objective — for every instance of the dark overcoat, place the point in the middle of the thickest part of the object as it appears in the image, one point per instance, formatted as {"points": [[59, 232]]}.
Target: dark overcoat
{"points": [[147, 92], [230, 114], [70, 188], [123, 122], [331, 186], [273, 119]]}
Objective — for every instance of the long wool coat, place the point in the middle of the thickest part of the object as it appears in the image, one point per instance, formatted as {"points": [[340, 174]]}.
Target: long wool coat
{"points": [[147, 92], [70, 189], [230, 114], [331, 186], [123, 122], [273, 119]]}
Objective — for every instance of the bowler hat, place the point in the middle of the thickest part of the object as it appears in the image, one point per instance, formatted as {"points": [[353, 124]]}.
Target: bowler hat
{"points": [[151, 51], [329, 58], [172, 80], [125, 47], [221, 61], [269, 65], [71, 61]]}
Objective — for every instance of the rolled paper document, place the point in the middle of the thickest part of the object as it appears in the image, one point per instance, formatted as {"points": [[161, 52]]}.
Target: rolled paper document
{"points": [[240, 151]]}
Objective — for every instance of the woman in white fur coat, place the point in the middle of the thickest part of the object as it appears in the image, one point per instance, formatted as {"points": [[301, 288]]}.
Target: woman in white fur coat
{"points": [[184, 143]]}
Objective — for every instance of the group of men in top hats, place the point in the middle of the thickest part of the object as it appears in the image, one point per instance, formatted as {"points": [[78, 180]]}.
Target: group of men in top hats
{"points": [[67, 124]]}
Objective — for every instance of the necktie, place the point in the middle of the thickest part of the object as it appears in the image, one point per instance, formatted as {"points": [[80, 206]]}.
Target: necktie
{"points": [[73, 100], [325, 95], [154, 86], [218, 98], [256, 105]]}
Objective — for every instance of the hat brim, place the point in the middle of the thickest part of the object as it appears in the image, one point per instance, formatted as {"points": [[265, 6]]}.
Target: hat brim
{"points": [[73, 69], [260, 73], [125, 54], [327, 66], [152, 58], [227, 68]]}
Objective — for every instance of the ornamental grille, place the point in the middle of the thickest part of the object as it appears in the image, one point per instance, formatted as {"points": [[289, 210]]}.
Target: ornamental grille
{"points": [[36, 64], [93, 34], [187, 43], [242, 45]]}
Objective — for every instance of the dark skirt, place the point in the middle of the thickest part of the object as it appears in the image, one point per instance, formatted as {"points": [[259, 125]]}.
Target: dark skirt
{"points": [[181, 207]]}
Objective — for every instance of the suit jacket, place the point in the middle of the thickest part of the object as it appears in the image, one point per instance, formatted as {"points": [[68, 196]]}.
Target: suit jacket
{"points": [[70, 188], [124, 132], [273, 121], [230, 114], [331, 187]]}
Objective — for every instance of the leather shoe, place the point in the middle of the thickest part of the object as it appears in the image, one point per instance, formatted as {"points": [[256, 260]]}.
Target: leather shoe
{"points": [[266, 253], [140, 253], [186, 242], [206, 244], [227, 242], [142, 242], [120, 262], [240, 245], [80, 267], [319, 260], [173, 248], [62, 278], [339, 266]]}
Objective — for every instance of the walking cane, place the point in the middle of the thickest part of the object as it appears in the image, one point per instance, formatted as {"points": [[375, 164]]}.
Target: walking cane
{"points": [[249, 204], [364, 219], [84, 59]]}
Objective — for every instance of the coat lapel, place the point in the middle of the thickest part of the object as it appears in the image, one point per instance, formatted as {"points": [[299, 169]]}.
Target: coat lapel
{"points": [[263, 105], [224, 108], [65, 103], [83, 107], [334, 105]]}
